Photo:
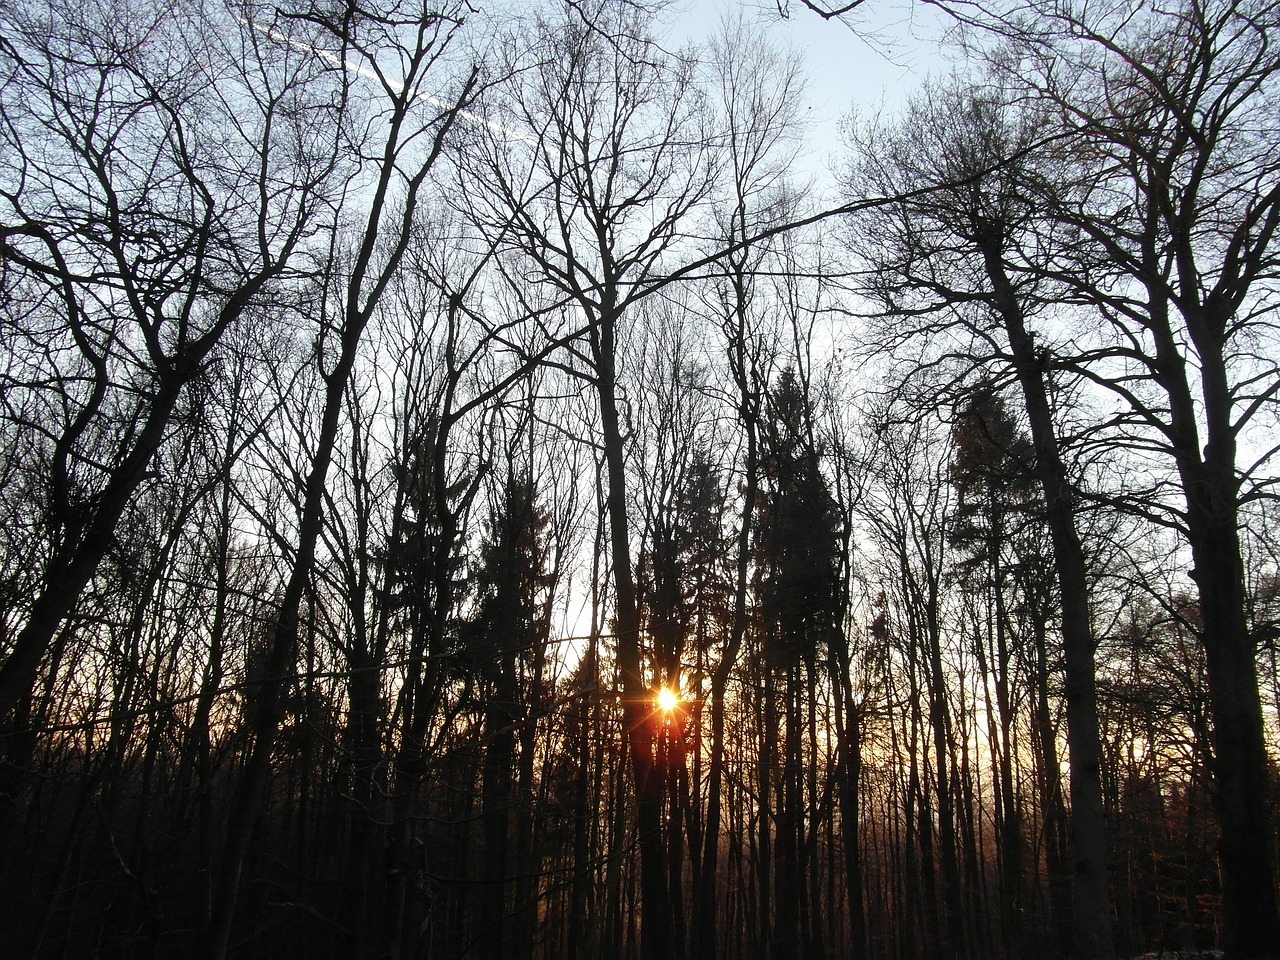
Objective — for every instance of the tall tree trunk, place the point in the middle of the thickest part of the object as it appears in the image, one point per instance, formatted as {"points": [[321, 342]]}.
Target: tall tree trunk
{"points": [[495, 814], [1251, 921], [1251, 927], [580, 729], [528, 856], [1093, 927], [268, 702], [1053, 810], [764, 907], [705, 943], [786, 929], [849, 774], [943, 750], [1011, 905], [658, 940]]}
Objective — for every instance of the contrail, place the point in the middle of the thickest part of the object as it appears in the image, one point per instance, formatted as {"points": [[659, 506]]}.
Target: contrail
{"points": [[362, 70]]}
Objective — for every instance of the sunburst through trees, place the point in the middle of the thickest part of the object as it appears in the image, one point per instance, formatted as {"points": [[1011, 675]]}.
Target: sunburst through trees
{"points": [[465, 494]]}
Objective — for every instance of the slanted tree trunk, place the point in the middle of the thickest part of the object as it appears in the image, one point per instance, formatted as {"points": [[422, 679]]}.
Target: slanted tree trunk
{"points": [[1093, 926]]}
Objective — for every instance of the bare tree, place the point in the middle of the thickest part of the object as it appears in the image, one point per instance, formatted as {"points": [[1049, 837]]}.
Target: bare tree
{"points": [[162, 188], [1166, 114], [754, 90], [962, 257], [609, 166], [403, 137]]}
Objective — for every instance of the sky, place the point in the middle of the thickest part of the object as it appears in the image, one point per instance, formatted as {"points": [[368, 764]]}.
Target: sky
{"points": [[873, 58], [869, 61]]}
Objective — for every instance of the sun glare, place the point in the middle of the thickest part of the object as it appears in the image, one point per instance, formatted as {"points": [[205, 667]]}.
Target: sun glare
{"points": [[667, 699]]}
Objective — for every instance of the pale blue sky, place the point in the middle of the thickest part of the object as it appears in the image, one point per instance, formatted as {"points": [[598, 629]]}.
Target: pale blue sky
{"points": [[876, 57]]}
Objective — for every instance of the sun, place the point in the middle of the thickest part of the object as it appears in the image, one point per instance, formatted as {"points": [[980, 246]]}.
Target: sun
{"points": [[668, 700]]}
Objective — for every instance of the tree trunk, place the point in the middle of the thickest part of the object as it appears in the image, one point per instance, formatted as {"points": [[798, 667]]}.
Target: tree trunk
{"points": [[1251, 927], [787, 895], [705, 943], [849, 772], [658, 941], [1093, 926], [495, 813]]}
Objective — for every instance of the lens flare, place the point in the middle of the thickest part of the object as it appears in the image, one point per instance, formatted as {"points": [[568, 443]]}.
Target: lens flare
{"points": [[668, 700]]}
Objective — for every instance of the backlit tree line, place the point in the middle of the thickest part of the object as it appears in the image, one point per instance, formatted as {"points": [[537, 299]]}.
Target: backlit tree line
{"points": [[395, 397]]}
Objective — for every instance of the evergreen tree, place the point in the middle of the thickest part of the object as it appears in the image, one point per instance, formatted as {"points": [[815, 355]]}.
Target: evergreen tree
{"points": [[796, 538], [503, 645]]}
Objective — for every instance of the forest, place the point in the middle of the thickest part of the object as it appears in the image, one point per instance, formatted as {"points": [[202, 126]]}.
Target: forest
{"points": [[471, 487]]}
